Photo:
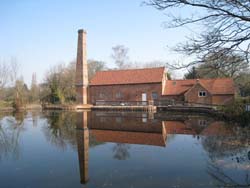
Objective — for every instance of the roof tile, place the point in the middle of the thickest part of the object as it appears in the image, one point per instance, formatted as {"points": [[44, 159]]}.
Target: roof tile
{"points": [[130, 76], [214, 86]]}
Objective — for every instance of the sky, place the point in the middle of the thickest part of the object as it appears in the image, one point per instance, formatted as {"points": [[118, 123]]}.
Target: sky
{"points": [[42, 33]]}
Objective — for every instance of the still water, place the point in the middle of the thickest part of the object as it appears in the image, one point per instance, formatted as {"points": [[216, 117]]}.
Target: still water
{"points": [[106, 149]]}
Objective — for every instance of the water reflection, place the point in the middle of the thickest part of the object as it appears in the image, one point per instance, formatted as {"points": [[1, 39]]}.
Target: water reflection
{"points": [[59, 129], [121, 151], [83, 145], [10, 130], [132, 149], [219, 140]]}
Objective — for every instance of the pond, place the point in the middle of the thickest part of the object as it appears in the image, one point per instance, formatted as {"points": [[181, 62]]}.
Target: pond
{"points": [[122, 149]]}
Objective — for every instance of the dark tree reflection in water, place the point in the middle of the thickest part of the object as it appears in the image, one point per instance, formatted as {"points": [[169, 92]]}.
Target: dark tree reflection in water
{"points": [[121, 151], [60, 129], [10, 129], [229, 163]]}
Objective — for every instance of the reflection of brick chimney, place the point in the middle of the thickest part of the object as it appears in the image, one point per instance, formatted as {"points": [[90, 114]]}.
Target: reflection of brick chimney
{"points": [[83, 145], [81, 80]]}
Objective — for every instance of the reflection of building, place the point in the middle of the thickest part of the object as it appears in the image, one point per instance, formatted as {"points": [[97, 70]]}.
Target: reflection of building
{"points": [[217, 128], [144, 138], [118, 129], [197, 127], [134, 129]]}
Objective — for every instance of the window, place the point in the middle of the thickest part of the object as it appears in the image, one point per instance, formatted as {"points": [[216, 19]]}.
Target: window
{"points": [[154, 95], [118, 95], [101, 95], [118, 119], [202, 122], [202, 93], [144, 118]]}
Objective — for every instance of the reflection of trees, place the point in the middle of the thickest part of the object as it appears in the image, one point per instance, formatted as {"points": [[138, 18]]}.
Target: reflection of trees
{"points": [[217, 173], [60, 129], [10, 130], [229, 153], [34, 115], [227, 145], [121, 151]]}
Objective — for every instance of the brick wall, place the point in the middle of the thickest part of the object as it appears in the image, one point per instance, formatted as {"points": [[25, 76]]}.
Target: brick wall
{"points": [[173, 97], [81, 80], [192, 96], [131, 92], [222, 99]]}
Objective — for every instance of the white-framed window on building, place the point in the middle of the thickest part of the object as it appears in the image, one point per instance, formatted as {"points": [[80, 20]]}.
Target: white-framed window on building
{"points": [[154, 95], [202, 93], [118, 95]]}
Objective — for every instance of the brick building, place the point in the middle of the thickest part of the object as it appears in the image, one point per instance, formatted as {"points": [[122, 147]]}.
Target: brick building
{"points": [[219, 91], [127, 85], [145, 85], [152, 84]]}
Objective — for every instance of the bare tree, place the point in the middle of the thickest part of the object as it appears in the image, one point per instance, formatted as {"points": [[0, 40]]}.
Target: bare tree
{"points": [[4, 75], [120, 56], [226, 25], [192, 73], [95, 66], [223, 64], [219, 64], [34, 89], [14, 70]]}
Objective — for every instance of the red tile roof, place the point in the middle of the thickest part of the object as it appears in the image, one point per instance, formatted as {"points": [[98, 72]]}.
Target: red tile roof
{"points": [[154, 139], [218, 128], [130, 76], [178, 127], [214, 86]]}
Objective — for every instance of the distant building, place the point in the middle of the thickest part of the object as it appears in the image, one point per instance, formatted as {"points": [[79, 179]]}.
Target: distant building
{"points": [[145, 85]]}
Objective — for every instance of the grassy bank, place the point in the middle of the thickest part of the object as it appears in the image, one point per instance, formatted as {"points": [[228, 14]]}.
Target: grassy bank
{"points": [[8, 106]]}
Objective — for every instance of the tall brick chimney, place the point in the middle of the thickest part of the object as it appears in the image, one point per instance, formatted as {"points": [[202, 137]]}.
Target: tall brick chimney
{"points": [[81, 80]]}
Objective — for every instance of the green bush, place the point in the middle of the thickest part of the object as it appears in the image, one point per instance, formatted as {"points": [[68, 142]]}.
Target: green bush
{"points": [[5, 104], [237, 111]]}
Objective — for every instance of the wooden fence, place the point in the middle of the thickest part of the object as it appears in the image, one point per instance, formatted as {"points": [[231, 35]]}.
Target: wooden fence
{"points": [[157, 103]]}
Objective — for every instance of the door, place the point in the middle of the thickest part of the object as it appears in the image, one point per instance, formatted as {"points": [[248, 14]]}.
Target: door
{"points": [[144, 98]]}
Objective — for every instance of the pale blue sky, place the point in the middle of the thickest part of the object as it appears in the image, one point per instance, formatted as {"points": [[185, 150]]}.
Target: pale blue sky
{"points": [[42, 33]]}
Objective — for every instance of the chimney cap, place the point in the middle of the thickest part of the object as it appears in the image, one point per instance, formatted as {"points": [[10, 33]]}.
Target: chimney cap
{"points": [[81, 31]]}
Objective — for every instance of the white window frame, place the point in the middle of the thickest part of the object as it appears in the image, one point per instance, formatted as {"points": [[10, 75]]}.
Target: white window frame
{"points": [[204, 93]]}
